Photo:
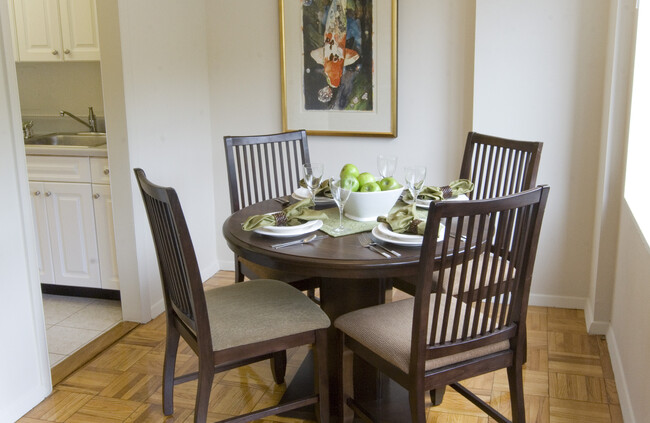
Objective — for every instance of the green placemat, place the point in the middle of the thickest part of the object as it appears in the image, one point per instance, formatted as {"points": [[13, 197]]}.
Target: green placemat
{"points": [[354, 226]]}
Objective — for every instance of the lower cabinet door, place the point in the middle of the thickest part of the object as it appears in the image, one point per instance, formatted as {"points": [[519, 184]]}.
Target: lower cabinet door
{"points": [[71, 222], [105, 236], [46, 271]]}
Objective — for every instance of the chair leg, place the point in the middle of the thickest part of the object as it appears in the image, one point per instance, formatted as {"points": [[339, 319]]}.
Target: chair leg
{"points": [[321, 379], [279, 366], [171, 349], [206, 376], [345, 376], [516, 383], [416, 402], [437, 395]]}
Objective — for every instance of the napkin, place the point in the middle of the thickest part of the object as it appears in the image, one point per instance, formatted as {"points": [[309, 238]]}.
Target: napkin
{"points": [[403, 221], [295, 214], [455, 188], [323, 189]]}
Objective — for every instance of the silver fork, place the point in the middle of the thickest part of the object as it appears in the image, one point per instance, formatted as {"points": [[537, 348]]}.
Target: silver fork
{"points": [[367, 242]]}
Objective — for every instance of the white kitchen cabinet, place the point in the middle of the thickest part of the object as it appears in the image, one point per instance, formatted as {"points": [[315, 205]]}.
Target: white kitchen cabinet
{"points": [[71, 221], [56, 30], [103, 206], [39, 210], [74, 221]]}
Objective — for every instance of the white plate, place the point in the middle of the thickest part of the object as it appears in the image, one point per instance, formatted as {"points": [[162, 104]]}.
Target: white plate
{"points": [[302, 193], [386, 231], [383, 233], [289, 231], [425, 203], [383, 237]]}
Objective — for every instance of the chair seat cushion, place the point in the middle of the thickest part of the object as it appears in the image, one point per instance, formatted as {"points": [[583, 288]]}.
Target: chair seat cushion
{"points": [[259, 310], [386, 330]]}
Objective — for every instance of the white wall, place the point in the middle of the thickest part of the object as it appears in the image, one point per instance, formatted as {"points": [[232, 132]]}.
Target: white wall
{"points": [[167, 112], [539, 75], [435, 61], [24, 367], [46, 88], [629, 335]]}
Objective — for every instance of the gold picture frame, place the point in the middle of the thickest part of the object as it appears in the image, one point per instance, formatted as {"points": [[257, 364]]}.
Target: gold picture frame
{"points": [[339, 67]]}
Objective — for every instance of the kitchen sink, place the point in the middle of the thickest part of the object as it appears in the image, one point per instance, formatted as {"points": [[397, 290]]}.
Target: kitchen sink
{"points": [[79, 139]]}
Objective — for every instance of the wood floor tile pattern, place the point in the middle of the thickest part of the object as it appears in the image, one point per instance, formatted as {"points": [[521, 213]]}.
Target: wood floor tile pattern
{"points": [[568, 378]]}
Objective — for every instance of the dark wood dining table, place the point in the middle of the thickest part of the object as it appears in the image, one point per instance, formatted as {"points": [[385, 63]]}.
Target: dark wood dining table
{"points": [[352, 277]]}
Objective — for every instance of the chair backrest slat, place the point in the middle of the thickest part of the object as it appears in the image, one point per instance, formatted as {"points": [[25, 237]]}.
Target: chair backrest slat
{"points": [[179, 270], [499, 166], [490, 250], [264, 167]]}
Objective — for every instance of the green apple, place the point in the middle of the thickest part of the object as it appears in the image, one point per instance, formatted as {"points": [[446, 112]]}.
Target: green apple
{"points": [[389, 183], [350, 183], [349, 170], [370, 187], [365, 177]]}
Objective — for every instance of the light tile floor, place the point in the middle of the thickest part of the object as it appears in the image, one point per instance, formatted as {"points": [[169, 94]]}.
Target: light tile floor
{"points": [[72, 322]]}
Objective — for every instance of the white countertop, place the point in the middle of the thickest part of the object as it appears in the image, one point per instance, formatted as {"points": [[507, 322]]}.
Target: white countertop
{"points": [[66, 150]]}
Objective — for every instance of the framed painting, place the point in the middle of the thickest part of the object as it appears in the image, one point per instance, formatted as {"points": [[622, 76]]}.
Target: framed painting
{"points": [[339, 66]]}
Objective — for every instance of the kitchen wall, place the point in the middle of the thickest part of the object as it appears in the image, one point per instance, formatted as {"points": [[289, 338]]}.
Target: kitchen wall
{"points": [[46, 88]]}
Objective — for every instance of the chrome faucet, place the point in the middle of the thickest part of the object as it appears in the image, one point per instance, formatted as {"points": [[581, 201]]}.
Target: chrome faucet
{"points": [[92, 120]]}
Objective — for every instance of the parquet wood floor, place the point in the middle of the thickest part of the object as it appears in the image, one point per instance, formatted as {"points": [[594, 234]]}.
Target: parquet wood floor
{"points": [[568, 378]]}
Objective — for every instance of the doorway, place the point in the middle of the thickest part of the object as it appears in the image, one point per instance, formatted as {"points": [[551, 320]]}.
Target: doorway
{"points": [[77, 320]]}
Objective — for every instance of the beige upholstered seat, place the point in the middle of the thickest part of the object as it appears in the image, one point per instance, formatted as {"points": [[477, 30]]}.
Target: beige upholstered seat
{"points": [[259, 310], [386, 330]]}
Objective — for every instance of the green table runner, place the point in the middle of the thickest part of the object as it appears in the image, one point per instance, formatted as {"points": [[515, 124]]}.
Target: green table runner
{"points": [[354, 226]]}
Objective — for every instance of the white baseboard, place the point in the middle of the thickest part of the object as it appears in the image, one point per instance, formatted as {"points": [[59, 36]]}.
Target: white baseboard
{"points": [[557, 301], [619, 375], [594, 327], [208, 271], [227, 265], [157, 308]]}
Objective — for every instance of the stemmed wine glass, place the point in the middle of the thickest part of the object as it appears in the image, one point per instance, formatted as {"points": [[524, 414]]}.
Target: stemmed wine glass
{"points": [[312, 174], [415, 176], [386, 165], [340, 196]]}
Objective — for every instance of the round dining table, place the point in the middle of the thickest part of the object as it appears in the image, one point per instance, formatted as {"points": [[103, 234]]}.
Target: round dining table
{"points": [[351, 277]]}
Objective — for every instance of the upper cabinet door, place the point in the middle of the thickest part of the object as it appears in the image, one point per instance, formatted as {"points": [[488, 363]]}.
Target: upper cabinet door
{"points": [[79, 30], [56, 30], [38, 30]]}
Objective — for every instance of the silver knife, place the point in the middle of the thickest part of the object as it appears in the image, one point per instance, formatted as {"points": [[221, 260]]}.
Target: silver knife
{"points": [[388, 250], [377, 250], [298, 241]]}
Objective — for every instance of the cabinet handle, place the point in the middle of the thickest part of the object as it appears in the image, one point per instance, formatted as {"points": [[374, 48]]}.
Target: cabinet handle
{"points": [[55, 52], [48, 193], [37, 193], [96, 196], [66, 51], [106, 171]]}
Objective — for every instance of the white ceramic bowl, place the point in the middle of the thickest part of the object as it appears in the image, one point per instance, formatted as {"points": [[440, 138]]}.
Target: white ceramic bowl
{"points": [[366, 206]]}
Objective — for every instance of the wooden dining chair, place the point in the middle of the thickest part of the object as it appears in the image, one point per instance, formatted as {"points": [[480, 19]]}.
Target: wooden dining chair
{"points": [[497, 167], [230, 326], [261, 167], [435, 339]]}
